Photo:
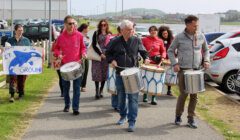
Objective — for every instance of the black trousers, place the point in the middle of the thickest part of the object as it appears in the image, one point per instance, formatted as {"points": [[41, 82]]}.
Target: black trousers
{"points": [[85, 74]]}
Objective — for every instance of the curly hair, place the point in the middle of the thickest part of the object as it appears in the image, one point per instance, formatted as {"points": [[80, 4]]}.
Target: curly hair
{"points": [[99, 26], [165, 28]]}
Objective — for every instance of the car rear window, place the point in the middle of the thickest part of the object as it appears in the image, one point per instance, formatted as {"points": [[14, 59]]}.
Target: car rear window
{"points": [[44, 29], [216, 47], [236, 47]]}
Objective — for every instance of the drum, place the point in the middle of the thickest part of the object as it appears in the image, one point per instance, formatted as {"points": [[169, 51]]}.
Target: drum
{"points": [[71, 71], [170, 77], [153, 79], [132, 80], [194, 81], [111, 87]]}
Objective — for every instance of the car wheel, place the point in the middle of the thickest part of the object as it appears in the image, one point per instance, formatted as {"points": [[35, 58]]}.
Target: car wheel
{"points": [[228, 81]]}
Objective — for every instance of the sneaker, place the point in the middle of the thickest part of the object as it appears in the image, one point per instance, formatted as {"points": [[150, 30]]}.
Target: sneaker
{"points": [[11, 100], [154, 101], [66, 109], [192, 124], [131, 127], [169, 93], [75, 112], [178, 120], [121, 121]]}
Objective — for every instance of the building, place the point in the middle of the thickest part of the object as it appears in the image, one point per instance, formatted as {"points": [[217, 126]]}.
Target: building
{"points": [[33, 9]]}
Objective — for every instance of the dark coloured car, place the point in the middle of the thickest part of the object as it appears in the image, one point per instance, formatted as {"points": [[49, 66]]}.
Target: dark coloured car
{"points": [[39, 32], [212, 36]]}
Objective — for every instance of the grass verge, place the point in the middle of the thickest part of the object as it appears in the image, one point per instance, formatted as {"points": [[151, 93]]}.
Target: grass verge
{"points": [[15, 117], [218, 111]]}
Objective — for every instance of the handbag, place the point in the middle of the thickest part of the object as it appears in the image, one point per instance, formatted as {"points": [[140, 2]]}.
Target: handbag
{"points": [[92, 54]]}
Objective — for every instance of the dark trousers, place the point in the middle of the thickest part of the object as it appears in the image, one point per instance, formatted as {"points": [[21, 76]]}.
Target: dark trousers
{"points": [[182, 98], [17, 83], [60, 81], [85, 74]]}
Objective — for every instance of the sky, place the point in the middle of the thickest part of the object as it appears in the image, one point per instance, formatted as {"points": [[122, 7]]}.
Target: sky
{"points": [[87, 7]]}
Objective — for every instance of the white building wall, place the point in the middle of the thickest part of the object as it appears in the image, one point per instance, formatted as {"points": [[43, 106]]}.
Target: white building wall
{"points": [[23, 9]]}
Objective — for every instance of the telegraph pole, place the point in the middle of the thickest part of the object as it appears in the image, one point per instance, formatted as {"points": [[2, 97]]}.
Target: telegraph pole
{"points": [[122, 8], [59, 6], [12, 17], [50, 33]]}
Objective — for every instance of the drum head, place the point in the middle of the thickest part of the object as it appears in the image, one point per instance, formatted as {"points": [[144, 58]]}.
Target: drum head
{"points": [[68, 67], [152, 68], [130, 71]]}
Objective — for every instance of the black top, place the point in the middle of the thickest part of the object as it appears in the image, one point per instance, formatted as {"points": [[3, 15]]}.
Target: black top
{"points": [[125, 53]]}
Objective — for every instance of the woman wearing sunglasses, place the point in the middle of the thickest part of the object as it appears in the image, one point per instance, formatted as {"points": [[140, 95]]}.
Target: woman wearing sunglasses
{"points": [[100, 39]]}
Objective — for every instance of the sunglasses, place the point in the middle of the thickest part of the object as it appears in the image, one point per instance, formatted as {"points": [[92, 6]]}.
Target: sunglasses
{"points": [[71, 23], [103, 25]]}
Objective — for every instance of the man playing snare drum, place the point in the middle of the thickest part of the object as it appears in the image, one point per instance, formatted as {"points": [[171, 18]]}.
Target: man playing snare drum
{"points": [[123, 52], [192, 53], [70, 48]]}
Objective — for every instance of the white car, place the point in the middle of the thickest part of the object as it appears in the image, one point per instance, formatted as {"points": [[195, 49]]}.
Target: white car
{"points": [[141, 31], [225, 62], [3, 24]]}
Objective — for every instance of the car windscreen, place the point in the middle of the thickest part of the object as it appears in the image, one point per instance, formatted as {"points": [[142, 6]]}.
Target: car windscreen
{"points": [[216, 47], [141, 29]]}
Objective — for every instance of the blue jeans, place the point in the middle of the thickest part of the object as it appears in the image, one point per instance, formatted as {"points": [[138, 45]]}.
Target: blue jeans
{"points": [[76, 93], [115, 102], [129, 110]]}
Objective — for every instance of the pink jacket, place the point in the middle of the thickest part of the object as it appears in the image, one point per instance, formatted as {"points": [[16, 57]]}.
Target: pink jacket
{"points": [[70, 46]]}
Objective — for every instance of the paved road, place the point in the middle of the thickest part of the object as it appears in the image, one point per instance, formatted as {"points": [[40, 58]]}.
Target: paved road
{"points": [[97, 121]]}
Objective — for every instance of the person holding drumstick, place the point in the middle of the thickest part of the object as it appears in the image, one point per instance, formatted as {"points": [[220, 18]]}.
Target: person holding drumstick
{"points": [[166, 35], [122, 52], [192, 53], [70, 48], [157, 53]]}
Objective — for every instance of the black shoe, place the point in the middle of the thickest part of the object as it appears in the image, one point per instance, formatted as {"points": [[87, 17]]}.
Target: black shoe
{"points": [[61, 95], [97, 96], [66, 109], [75, 112], [153, 103], [178, 120], [192, 124], [101, 96], [169, 93], [116, 109]]}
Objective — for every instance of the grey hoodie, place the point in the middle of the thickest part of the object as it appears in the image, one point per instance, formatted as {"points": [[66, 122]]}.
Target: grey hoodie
{"points": [[191, 50]]}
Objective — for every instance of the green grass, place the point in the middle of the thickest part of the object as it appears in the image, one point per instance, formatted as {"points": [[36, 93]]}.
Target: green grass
{"points": [[230, 23], [14, 117], [204, 103]]}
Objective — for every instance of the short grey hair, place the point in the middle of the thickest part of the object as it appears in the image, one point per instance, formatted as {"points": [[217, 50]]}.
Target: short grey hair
{"points": [[126, 23]]}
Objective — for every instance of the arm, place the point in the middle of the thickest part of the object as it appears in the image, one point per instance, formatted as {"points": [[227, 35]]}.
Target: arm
{"points": [[82, 47], [94, 43], [110, 51], [142, 50], [56, 48], [206, 54], [171, 51], [162, 50]]}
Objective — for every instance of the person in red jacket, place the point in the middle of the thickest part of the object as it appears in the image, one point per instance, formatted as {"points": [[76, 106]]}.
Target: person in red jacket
{"points": [[70, 48], [157, 53]]}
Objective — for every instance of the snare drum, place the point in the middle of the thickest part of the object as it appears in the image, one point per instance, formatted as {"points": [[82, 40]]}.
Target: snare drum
{"points": [[132, 80], [153, 79], [194, 81], [71, 71], [111, 87], [171, 77]]}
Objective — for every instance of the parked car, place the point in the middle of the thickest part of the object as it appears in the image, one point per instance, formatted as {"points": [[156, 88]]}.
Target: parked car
{"points": [[40, 32], [3, 24], [20, 21], [237, 83], [232, 34], [212, 36], [225, 58], [35, 21], [141, 31]]}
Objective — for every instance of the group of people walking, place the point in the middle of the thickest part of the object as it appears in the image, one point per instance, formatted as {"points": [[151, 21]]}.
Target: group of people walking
{"points": [[121, 51]]}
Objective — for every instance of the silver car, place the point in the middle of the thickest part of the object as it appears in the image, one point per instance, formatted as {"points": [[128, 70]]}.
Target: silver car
{"points": [[225, 62]]}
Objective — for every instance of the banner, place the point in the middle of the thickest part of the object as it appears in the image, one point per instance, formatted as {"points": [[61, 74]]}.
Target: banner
{"points": [[21, 60]]}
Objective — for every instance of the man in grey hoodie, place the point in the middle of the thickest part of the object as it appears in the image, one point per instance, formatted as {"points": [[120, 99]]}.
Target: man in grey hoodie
{"points": [[192, 53]]}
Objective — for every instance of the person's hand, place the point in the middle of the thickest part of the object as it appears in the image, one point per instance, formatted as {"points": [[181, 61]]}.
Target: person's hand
{"points": [[176, 68], [114, 64], [103, 56], [60, 56], [84, 56], [147, 61], [206, 65]]}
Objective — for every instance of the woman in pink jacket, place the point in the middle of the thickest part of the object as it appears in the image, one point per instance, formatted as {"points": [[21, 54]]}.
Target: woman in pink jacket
{"points": [[70, 48]]}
